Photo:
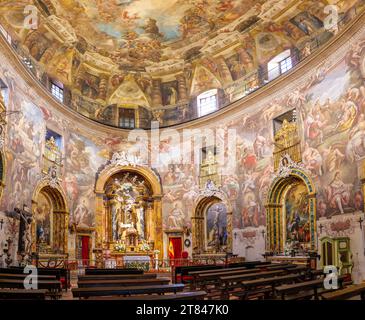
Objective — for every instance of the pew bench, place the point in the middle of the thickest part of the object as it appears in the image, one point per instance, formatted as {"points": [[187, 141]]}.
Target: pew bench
{"points": [[195, 295], [228, 284], [126, 291], [122, 283], [54, 287], [251, 286], [347, 293], [312, 286], [61, 274], [22, 294], [22, 276], [117, 276], [202, 280], [113, 271]]}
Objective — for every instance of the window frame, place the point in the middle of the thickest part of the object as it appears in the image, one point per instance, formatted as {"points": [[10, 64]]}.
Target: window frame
{"points": [[57, 91], [127, 122], [210, 106]]}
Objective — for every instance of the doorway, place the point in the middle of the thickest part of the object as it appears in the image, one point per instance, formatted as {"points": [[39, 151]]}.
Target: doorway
{"points": [[83, 249], [176, 243]]}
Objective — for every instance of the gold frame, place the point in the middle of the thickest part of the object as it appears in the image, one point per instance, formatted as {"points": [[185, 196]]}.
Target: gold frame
{"points": [[101, 217], [60, 209], [198, 219], [275, 210]]}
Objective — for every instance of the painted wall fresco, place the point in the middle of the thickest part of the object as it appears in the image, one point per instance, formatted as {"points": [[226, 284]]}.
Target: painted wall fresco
{"points": [[161, 55], [330, 103]]}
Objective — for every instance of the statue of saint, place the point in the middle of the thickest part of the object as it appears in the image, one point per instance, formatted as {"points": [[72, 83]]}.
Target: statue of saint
{"points": [[140, 222]]}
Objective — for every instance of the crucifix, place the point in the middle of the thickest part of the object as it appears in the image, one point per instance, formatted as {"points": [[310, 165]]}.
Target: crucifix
{"points": [[25, 219], [360, 221], [263, 233]]}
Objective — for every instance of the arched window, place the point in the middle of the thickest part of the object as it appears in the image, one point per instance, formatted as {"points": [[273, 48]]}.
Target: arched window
{"points": [[279, 65], [207, 102]]}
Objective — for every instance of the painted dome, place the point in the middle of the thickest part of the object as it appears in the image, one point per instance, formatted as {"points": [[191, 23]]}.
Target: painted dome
{"points": [[150, 60]]}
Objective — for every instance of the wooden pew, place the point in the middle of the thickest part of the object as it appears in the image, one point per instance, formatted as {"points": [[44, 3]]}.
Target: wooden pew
{"points": [[202, 280], [127, 291], [278, 266], [22, 294], [229, 283], [113, 271], [347, 293], [196, 295], [23, 275], [311, 287], [118, 276], [58, 272], [251, 287], [249, 264], [122, 283], [185, 270], [54, 287]]}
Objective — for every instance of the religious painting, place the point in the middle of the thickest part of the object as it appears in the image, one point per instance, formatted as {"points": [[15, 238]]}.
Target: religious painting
{"points": [[297, 214], [235, 66], [216, 226], [42, 216], [88, 84], [169, 93], [307, 22]]}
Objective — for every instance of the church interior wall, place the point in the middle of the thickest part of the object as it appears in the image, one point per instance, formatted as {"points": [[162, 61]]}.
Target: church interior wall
{"points": [[330, 104]]}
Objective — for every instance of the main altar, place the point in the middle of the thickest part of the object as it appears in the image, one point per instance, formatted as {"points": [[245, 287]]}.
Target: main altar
{"points": [[129, 214]]}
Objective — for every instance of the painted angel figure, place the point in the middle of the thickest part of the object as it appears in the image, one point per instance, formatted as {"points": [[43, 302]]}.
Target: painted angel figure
{"points": [[338, 193]]}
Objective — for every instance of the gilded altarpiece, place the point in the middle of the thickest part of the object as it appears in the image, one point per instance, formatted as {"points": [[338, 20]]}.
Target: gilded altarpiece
{"points": [[291, 200], [291, 209], [212, 222], [128, 209], [51, 217]]}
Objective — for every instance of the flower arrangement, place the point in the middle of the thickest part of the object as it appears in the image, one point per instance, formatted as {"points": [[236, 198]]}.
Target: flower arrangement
{"points": [[120, 247], [144, 247]]}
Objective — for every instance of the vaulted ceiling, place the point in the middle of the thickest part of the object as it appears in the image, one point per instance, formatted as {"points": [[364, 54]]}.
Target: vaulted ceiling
{"points": [[132, 52]]}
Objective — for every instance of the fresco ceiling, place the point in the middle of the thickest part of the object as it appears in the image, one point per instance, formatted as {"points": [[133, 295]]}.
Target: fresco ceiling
{"points": [[136, 52]]}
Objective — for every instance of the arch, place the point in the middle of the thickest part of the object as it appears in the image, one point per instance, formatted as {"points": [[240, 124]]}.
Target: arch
{"points": [[147, 173], [101, 215], [204, 201], [56, 196], [274, 207]]}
